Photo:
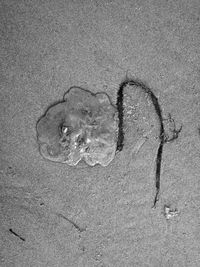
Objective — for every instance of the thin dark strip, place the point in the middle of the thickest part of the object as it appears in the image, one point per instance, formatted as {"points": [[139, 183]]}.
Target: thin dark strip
{"points": [[73, 223], [120, 108], [16, 234], [158, 170], [120, 142], [154, 101]]}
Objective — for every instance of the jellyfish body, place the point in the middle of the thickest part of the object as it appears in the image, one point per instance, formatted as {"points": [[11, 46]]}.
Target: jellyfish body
{"points": [[83, 126]]}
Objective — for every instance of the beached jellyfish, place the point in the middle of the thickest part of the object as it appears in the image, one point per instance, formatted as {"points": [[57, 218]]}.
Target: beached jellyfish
{"points": [[83, 126]]}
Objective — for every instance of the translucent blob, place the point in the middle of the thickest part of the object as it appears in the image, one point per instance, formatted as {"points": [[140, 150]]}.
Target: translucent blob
{"points": [[83, 126], [100, 154], [48, 125], [52, 153], [81, 102]]}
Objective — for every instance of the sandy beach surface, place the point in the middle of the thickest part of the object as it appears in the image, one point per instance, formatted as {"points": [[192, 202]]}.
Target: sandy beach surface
{"points": [[60, 216]]}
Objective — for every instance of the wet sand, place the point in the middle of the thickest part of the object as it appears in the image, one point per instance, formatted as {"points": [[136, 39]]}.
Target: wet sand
{"points": [[56, 215]]}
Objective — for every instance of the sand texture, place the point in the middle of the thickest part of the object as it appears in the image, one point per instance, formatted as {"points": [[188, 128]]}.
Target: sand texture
{"points": [[55, 215]]}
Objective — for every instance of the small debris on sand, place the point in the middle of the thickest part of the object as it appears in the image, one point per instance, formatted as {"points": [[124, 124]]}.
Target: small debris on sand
{"points": [[169, 213]]}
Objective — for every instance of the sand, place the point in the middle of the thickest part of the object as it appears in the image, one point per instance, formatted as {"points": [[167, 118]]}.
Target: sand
{"points": [[56, 215]]}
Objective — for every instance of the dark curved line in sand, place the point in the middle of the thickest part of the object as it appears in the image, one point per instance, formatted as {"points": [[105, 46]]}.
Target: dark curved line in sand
{"points": [[120, 141]]}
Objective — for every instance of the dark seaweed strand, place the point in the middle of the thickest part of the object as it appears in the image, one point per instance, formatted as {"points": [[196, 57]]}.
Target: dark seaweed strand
{"points": [[73, 223], [120, 108], [16, 234], [158, 170], [159, 114]]}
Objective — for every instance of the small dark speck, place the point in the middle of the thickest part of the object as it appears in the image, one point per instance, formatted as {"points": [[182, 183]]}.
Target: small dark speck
{"points": [[83, 248], [42, 204], [198, 129]]}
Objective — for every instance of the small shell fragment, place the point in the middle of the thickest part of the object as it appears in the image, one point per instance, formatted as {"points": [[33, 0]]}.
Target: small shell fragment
{"points": [[169, 213]]}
